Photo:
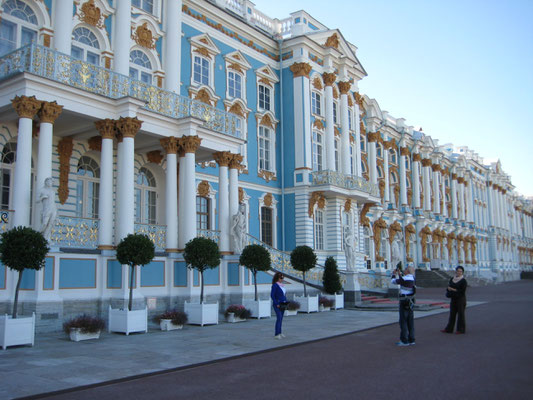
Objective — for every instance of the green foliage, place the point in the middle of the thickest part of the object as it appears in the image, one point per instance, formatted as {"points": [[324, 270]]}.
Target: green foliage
{"points": [[293, 306], [255, 257], [331, 279], [201, 254], [23, 248], [85, 323], [175, 316], [239, 311], [135, 249], [303, 258]]}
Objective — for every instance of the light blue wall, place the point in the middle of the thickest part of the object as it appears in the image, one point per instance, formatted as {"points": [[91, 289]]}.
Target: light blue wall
{"points": [[48, 283], [77, 273], [153, 274], [211, 277], [114, 274], [180, 273], [28, 280], [233, 274]]}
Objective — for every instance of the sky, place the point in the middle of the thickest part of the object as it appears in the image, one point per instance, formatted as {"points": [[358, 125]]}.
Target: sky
{"points": [[460, 69]]}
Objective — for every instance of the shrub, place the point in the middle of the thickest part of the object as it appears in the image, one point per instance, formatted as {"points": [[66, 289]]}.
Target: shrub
{"points": [[255, 258], [303, 258], [175, 316], [293, 306], [201, 254], [325, 302], [239, 311], [331, 279], [85, 323]]}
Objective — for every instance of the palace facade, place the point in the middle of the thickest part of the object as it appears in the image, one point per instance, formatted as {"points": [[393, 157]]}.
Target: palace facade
{"points": [[163, 116]]}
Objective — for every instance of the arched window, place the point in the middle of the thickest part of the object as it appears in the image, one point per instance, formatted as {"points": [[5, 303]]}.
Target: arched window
{"points": [[319, 229], [87, 188], [85, 46], [145, 197], [379, 150], [318, 148], [393, 158], [8, 161], [18, 26], [140, 67]]}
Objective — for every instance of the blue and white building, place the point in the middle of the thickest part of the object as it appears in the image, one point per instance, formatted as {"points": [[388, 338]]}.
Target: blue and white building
{"points": [[162, 116]]}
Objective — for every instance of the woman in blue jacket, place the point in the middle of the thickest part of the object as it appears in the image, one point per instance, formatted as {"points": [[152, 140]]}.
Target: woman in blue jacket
{"points": [[278, 297]]}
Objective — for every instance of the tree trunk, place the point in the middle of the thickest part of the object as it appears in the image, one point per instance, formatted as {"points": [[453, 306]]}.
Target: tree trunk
{"points": [[305, 291], [16, 302], [202, 287], [130, 302], [255, 283]]}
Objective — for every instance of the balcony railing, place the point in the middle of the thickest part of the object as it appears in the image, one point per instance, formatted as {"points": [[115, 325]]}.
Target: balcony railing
{"points": [[59, 67], [213, 235], [79, 233], [156, 233], [343, 181]]}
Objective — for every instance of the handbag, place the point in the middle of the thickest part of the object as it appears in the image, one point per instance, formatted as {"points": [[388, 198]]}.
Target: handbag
{"points": [[283, 305], [448, 294]]}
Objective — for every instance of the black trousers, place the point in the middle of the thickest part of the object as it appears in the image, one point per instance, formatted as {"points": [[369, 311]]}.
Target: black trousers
{"points": [[407, 322], [457, 310]]}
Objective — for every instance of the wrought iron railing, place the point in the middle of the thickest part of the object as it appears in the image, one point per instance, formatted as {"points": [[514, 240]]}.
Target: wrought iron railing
{"points": [[75, 232], [156, 233], [59, 67], [213, 235], [343, 181]]}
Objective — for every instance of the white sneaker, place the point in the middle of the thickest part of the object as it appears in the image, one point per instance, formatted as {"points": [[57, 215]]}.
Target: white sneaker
{"points": [[282, 335], [278, 337]]}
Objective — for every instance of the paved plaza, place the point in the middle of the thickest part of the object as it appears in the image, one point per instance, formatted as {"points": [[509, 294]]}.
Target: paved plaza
{"points": [[327, 355]]}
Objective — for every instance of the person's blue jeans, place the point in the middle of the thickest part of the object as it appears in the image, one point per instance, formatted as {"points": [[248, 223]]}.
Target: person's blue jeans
{"points": [[279, 320], [407, 323]]}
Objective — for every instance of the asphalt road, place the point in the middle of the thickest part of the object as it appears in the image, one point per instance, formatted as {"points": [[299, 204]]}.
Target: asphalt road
{"points": [[493, 360]]}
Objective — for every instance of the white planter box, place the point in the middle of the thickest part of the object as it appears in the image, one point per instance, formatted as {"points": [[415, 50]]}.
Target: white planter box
{"points": [[339, 300], [126, 321], [76, 335], [233, 319], [308, 304], [321, 308], [260, 308], [16, 331], [288, 313], [167, 325], [202, 314]]}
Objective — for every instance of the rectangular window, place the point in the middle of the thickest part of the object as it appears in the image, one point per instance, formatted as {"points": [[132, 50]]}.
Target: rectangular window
{"points": [[316, 107], [234, 85], [352, 163], [6, 183], [146, 5], [202, 213], [201, 71], [317, 151], [334, 113], [27, 36], [266, 225], [93, 58], [336, 155], [350, 116], [265, 143], [319, 230], [264, 97], [76, 53], [8, 39]]}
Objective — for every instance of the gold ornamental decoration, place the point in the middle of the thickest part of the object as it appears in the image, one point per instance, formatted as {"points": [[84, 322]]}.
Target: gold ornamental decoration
{"points": [[154, 156], [203, 189], [350, 101], [91, 14], [222, 158], [424, 242], [317, 83], [344, 87], [190, 144], [332, 41], [235, 162], [378, 226], [64, 148], [319, 124], [106, 128], [301, 69], [266, 175], [267, 121], [359, 100], [426, 162], [49, 111], [204, 97], [373, 137], [347, 205], [416, 157], [241, 195], [95, 143], [410, 231], [267, 200], [128, 126], [170, 144], [143, 36], [435, 167], [316, 198], [404, 151], [335, 93], [381, 185], [363, 219], [26, 107], [394, 229], [329, 78]]}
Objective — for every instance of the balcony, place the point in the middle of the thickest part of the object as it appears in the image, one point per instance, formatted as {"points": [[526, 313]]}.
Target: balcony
{"points": [[337, 180], [58, 67]]}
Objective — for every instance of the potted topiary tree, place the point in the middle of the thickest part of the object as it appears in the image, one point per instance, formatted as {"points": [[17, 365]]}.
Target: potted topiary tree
{"points": [[21, 248], [332, 283], [256, 258], [202, 254], [303, 259], [134, 249]]}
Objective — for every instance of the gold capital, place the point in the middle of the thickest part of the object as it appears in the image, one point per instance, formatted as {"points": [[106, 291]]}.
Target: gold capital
{"points": [[329, 78], [426, 162], [26, 107], [129, 126], [190, 144], [170, 144], [301, 69], [223, 158], [235, 161], [49, 111], [417, 157], [106, 128], [344, 87]]}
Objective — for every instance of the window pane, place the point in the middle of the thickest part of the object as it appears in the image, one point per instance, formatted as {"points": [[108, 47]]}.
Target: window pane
{"points": [[266, 225], [28, 36], [76, 53]]}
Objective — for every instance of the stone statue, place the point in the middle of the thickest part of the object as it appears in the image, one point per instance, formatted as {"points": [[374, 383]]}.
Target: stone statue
{"points": [[349, 248], [47, 196], [397, 254], [238, 229]]}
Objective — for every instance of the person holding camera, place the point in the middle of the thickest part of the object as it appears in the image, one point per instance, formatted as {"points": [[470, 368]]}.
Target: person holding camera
{"points": [[457, 292], [279, 302], [406, 303]]}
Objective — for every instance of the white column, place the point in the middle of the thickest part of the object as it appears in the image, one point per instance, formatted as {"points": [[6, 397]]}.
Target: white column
{"points": [[128, 127], [223, 158], [416, 180], [329, 79], [26, 108], [490, 205], [172, 63], [404, 152], [436, 189], [105, 195], [426, 170], [234, 184], [470, 197], [62, 23], [454, 196], [181, 202], [345, 130], [373, 173], [118, 185], [122, 37], [170, 145], [502, 207], [302, 116], [462, 199], [443, 194], [190, 144], [358, 167], [386, 196]]}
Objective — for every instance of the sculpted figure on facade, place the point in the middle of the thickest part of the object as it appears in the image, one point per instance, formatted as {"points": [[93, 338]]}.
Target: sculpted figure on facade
{"points": [[238, 229], [47, 197], [377, 227], [349, 250]]}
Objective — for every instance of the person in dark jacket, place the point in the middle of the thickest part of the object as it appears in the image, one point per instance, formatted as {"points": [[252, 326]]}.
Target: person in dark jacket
{"points": [[277, 293], [457, 289], [406, 304]]}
